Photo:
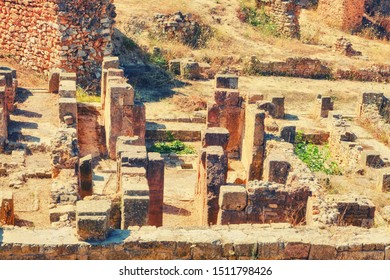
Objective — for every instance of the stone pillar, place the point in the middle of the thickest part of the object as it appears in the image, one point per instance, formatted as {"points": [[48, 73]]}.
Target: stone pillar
{"points": [[92, 219], [252, 155], [109, 62], [212, 175], [232, 203], [323, 105], [85, 176], [54, 80], [135, 201], [215, 136], [7, 208], [279, 107], [228, 112], [119, 101], [155, 176], [3, 114], [384, 181], [371, 158]]}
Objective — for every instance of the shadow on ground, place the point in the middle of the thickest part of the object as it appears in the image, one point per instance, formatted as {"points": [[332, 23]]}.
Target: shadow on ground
{"points": [[173, 210], [150, 81]]}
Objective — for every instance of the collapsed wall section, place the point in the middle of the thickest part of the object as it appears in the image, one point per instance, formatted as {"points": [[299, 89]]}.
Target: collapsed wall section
{"points": [[73, 35]]}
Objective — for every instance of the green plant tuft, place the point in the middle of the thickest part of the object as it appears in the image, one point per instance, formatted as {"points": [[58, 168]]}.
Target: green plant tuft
{"points": [[316, 158], [172, 145]]}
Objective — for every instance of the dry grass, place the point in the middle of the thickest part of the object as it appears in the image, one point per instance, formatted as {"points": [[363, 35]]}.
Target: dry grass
{"points": [[26, 77]]}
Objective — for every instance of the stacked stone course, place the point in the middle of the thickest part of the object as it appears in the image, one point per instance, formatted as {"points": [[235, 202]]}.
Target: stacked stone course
{"points": [[72, 35], [285, 14]]}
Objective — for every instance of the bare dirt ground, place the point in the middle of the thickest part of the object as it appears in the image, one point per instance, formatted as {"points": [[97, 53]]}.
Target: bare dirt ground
{"points": [[233, 37]]}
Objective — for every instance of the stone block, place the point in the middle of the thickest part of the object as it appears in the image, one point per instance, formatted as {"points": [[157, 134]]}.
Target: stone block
{"points": [[190, 70], [296, 251], [92, 219], [122, 94], [67, 89], [322, 252], [384, 181], [174, 66], [277, 169], [372, 159], [135, 211], [226, 81], [65, 76], [227, 97], [67, 107], [110, 62], [288, 133], [60, 210], [266, 106], [252, 98], [134, 156], [85, 176], [279, 107], [54, 80], [92, 228], [215, 136], [230, 217], [233, 198], [7, 216]]}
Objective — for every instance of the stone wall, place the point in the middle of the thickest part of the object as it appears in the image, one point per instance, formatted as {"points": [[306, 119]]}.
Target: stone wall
{"points": [[344, 14], [73, 35], [375, 73], [285, 14], [292, 67], [235, 242], [374, 114], [185, 28], [91, 132]]}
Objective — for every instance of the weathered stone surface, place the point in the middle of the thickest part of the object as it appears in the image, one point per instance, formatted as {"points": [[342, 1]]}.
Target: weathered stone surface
{"points": [[67, 106], [288, 133], [322, 252], [384, 181], [7, 208], [279, 107], [54, 80], [135, 201], [155, 176], [277, 169], [226, 81], [252, 154], [212, 174], [215, 136], [232, 198], [371, 158], [85, 176], [92, 219]]}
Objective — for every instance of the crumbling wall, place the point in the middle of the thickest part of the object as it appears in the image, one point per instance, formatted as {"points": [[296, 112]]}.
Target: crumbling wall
{"points": [[285, 14], [73, 35], [292, 67], [185, 28], [374, 113], [344, 14]]}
